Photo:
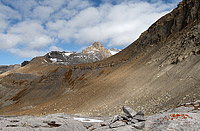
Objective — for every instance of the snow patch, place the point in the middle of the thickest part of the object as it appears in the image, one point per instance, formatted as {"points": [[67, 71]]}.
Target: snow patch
{"points": [[91, 52], [67, 53], [49, 54], [54, 60], [87, 120], [113, 52], [45, 61]]}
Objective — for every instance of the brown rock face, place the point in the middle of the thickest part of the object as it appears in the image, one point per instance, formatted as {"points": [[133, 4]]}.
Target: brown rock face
{"points": [[98, 47]]}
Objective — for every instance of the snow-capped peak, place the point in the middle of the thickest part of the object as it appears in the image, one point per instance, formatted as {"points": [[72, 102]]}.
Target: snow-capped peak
{"points": [[92, 53]]}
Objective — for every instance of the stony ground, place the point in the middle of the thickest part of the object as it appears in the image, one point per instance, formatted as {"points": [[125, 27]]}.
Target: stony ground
{"points": [[185, 117]]}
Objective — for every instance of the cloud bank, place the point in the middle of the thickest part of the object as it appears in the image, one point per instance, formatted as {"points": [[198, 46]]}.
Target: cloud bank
{"points": [[31, 28]]}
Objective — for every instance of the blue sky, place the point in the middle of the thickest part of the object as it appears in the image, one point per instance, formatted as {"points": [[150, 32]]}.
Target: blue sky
{"points": [[30, 28]]}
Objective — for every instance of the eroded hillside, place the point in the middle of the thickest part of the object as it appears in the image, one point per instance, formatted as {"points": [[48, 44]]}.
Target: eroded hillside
{"points": [[156, 72]]}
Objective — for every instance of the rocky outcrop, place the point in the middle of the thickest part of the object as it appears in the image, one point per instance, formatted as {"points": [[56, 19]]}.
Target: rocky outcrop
{"points": [[130, 118], [98, 47], [178, 31], [25, 63]]}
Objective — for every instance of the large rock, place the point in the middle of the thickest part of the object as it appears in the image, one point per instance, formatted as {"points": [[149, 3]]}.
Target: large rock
{"points": [[139, 116], [130, 112]]}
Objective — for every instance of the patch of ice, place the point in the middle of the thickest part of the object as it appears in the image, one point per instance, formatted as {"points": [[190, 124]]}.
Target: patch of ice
{"points": [[87, 120]]}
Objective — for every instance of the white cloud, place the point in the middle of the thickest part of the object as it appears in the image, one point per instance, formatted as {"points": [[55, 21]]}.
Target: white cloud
{"points": [[55, 4], [55, 48], [33, 34], [33, 27], [78, 4], [3, 25], [116, 25], [26, 53], [56, 26], [40, 41], [9, 41], [8, 13], [26, 39], [42, 12], [64, 14], [23, 7]]}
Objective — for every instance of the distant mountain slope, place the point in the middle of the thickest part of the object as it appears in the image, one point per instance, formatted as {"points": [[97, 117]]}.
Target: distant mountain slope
{"points": [[4, 68], [159, 70]]}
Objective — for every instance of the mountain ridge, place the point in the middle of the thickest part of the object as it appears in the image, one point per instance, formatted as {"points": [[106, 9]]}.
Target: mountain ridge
{"points": [[92, 53]]}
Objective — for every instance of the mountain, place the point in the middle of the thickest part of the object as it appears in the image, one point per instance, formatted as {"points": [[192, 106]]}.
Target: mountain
{"points": [[4, 68], [156, 72], [93, 53]]}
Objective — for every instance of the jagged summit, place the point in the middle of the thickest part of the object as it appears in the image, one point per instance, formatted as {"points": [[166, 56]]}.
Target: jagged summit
{"points": [[93, 53], [96, 46]]}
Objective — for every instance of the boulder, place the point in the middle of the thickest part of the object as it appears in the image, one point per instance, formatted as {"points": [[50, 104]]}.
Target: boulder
{"points": [[130, 112]]}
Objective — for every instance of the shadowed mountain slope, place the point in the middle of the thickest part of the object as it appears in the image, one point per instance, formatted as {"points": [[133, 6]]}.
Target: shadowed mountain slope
{"points": [[159, 70]]}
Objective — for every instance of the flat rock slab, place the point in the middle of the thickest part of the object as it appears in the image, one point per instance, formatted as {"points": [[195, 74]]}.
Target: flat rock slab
{"points": [[173, 121], [50, 123]]}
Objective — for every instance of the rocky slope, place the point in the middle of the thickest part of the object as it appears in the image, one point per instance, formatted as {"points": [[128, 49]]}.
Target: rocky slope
{"points": [[158, 71]]}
